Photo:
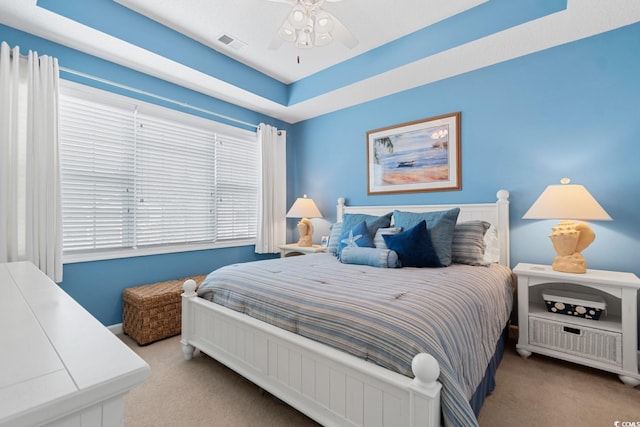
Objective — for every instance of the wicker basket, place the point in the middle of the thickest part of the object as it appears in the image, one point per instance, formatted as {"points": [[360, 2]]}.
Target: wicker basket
{"points": [[153, 312]]}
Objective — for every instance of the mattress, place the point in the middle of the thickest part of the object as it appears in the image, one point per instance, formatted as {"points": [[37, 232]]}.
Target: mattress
{"points": [[385, 316]]}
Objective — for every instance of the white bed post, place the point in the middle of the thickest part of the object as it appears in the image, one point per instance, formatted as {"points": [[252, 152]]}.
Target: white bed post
{"points": [[503, 226], [189, 288], [340, 209], [424, 399]]}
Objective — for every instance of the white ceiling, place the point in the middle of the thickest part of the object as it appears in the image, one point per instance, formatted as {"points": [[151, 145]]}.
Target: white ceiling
{"points": [[373, 22], [255, 22]]}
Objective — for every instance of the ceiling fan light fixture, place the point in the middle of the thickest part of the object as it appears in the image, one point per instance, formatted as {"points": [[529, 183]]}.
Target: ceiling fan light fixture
{"points": [[304, 40], [308, 28], [324, 23], [287, 33], [323, 39], [308, 25], [298, 17]]}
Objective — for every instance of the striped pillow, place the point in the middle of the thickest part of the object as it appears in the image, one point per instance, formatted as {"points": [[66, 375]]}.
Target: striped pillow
{"points": [[378, 240], [334, 237], [468, 245]]}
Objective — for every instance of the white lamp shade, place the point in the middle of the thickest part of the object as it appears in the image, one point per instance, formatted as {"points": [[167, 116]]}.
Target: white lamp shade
{"points": [[304, 208], [567, 202]]}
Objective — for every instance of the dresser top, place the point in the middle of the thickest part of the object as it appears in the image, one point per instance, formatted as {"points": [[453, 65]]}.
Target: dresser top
{"points": [[55, 355]]}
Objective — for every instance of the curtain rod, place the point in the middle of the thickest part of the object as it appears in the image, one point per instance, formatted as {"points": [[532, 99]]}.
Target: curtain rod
{"points": [[152, 95]]}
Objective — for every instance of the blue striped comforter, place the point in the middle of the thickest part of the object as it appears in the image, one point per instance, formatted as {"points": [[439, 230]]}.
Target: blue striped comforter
{"points": [[385, 316]]}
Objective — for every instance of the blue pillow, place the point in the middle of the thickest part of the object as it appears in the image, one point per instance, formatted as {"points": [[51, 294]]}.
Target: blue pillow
{"points": [[441, 225], [356, 236], [373, 222], [384, 258], [334, 237], [414, 247]]}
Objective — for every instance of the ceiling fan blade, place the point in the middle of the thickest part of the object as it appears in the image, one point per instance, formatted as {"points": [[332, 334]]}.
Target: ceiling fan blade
{"points": [[277, 39], [275, 43], [341, 33]]}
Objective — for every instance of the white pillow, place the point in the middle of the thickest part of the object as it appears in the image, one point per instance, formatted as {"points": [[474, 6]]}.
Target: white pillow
{"points": [[378, 240], [492, 250]]}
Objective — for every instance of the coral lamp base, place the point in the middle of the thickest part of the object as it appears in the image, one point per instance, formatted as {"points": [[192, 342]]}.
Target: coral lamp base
{"points": [[569, 239]]}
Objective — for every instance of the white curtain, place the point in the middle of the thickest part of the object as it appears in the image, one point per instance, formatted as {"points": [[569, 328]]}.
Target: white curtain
{"points": [[30, 202], [272, 197]]}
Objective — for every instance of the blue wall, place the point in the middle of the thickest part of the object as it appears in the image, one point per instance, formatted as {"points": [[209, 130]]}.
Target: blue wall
{"points": [[98, 285], [568, 111]]}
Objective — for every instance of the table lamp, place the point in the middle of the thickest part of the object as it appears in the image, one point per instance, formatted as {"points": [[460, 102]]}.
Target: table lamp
{"points": [[304, 208], [569, 203]]}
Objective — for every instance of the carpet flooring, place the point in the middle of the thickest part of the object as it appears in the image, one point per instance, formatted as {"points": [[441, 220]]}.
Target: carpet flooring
{"points": [[538, 391]]}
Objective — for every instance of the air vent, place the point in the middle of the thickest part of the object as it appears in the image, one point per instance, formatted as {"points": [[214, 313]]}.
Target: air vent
{"points": [[231, 41]]}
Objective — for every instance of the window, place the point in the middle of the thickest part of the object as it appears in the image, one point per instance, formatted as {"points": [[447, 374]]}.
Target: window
{"points": [[138, 178]]}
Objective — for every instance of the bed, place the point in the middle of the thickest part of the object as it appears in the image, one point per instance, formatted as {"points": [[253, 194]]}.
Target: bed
{"points": [[339, 379]]}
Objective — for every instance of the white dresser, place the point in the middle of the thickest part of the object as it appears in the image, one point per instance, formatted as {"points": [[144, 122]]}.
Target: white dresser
{"points": [[59, 366]]}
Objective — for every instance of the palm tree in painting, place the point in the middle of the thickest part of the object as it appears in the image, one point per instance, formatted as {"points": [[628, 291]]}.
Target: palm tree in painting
{"points": [[384, 143]]}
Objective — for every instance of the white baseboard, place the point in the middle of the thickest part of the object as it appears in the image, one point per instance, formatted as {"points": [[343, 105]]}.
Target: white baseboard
{"points": [[115, 329]]}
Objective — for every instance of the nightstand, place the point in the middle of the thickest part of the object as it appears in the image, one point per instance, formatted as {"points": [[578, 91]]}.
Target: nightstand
{"points": [[292, 249], [610, 343]]}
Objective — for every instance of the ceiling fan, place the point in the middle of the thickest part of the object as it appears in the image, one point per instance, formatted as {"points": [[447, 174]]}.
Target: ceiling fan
{"points": [[307, 25]]}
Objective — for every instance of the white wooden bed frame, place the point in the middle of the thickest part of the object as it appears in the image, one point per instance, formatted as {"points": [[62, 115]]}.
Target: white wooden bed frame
{"points": [[328, 385]]}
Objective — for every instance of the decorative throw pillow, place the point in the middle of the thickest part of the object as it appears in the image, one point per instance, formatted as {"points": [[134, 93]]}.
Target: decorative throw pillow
{"points": [[384, 258], [373, 222], [492, 246], [378, 241], [468, 245], [414, 247], [356, 236], [440, 225], [334, 237]]}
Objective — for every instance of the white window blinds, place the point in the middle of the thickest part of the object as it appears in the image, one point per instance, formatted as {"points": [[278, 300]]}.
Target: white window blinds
{"points": [[175, 182], [137, 176], [97, 160]]}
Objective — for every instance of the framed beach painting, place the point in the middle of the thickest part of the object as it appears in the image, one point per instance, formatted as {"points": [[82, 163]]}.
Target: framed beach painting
{"points": [[417, 156]]}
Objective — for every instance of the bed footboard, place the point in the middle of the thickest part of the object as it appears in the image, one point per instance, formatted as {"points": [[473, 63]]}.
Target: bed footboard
{"points": [[328, 385]]}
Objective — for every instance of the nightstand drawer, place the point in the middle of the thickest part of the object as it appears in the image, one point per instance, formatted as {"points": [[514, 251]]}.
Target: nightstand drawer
{"points": [[589, 343]]}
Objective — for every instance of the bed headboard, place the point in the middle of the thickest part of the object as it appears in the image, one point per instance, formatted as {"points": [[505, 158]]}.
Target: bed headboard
{"points": [[496, 213]]}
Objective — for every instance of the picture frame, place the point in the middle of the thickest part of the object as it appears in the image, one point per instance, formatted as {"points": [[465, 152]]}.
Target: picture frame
{"points": [[418, 156]]}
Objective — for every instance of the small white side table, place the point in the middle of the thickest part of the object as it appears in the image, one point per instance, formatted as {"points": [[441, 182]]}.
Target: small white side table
{"points": [[292, 249], [610, 344]]}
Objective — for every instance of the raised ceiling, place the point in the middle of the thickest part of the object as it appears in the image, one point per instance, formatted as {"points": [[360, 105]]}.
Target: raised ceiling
{"points": [[255, 22], [401, 44]]}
